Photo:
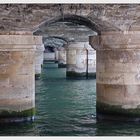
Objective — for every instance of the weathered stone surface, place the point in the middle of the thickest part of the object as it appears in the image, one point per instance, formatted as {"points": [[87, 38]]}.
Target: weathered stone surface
{"points": [[17, 70], [19, 40], [99, 17], [80, 60], [110, 113], [125, 40], [39, 56], [118, 73], [56, 55], [116, 94], [91, 56], [49, 56], [57, 34], [62, 57]]}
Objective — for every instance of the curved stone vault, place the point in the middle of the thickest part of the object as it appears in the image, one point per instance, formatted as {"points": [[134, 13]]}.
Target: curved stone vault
{"points": [[99, 17]]}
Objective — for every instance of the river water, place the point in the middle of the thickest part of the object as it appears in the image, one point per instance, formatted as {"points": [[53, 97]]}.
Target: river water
{"points": [[66, 107]]}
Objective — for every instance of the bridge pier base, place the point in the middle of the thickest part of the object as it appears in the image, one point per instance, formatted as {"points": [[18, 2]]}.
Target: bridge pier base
{"points": [[118, 75], [17, 83], [80, 60], [39, 60]]}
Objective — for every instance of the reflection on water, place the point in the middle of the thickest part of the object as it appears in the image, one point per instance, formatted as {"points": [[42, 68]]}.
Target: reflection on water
{"points": [[66, 108], [64, 105]]}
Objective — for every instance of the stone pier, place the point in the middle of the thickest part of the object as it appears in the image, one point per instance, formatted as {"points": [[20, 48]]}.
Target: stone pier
{"points": [[39, 55], [91, 57], [80, 60], [56, 55], [62, 57], [17, 76], [49, 57], [118, 75]]}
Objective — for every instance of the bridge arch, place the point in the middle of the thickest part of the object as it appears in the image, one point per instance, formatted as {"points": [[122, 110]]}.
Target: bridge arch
{"points": [[81, 20]]}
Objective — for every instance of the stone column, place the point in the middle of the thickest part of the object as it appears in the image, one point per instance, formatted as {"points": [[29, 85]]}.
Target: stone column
{"points": [[91, 56], [80, 60], [62, 57], [49, 57], [17, 80], [42, 55], [56, 55], [118, 75], [39, 55]]}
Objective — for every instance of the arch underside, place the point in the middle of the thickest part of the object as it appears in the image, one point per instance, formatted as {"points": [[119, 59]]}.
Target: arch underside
{"points": [[54, 41], [93, 23]]}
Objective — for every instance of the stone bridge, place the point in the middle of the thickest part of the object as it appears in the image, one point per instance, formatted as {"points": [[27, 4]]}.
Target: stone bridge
{"points": [[117, 44], [98, 17]]}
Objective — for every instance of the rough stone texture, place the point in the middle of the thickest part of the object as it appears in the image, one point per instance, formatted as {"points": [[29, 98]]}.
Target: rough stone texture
{"points": [[118, 73], [62, 57], [49, 56], [60, 33], [99, 17], [54, 40], [77, 56], [17, 70], [39, 56], [91, 59], [56, 55]]}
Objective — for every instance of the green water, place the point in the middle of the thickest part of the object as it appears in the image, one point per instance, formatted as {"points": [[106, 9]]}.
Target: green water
{"points": [[66, 108]]}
